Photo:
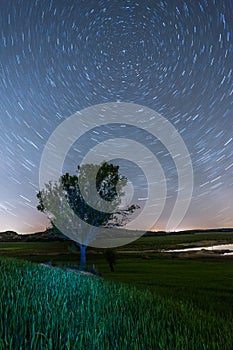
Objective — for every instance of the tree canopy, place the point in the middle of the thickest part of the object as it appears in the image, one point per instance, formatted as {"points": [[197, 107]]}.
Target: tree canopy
{"points": [[81, 206]]}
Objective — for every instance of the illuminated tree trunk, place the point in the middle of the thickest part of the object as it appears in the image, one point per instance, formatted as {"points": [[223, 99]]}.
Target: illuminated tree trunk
{"points": [[83, 255]]}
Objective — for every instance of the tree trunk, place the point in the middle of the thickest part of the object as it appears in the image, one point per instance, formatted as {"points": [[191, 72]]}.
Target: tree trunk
{"points": [[83, 255], [111, 267]]}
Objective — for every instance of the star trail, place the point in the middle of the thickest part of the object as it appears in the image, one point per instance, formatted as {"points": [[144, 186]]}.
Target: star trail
{"points": [[175, 57]]}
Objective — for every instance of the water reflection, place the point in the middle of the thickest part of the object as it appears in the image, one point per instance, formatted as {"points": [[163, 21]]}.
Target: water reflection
{"points": [[212, 248]]}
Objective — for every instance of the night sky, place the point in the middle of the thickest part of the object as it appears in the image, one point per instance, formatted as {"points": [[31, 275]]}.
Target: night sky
{"points": [[59, 57]]}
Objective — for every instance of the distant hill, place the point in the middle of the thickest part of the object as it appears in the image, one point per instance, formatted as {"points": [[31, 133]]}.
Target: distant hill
{"points": [[50, 235], [164, 233]]}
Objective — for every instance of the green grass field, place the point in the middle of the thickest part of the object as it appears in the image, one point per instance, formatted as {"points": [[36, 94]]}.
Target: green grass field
{"points": [[155, 242], [199, 288], [43, 308], [180, 241]]}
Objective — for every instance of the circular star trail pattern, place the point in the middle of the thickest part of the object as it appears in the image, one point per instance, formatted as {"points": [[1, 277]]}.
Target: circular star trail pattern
{"points": [[58, 57]]}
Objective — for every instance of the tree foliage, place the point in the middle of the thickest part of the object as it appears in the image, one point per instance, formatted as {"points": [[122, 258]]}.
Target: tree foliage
{"points": [[75, 196]]}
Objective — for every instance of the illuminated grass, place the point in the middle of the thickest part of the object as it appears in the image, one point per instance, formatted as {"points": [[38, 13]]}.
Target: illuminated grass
{"points": [[42, 308]]}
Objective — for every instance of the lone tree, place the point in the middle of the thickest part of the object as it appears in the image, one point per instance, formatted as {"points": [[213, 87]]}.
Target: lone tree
{"points": [[74, 196]]}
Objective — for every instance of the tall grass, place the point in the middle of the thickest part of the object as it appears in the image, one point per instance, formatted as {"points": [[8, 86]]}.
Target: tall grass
{"points": [[42, 308]]}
